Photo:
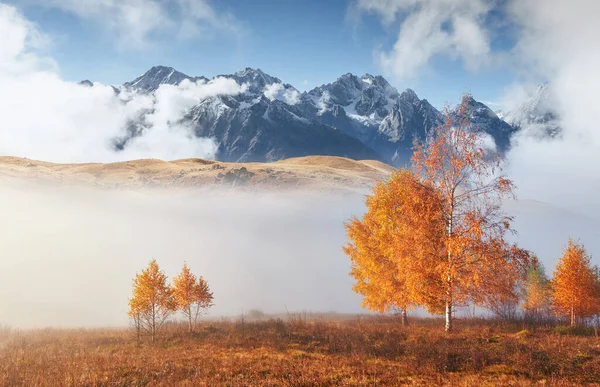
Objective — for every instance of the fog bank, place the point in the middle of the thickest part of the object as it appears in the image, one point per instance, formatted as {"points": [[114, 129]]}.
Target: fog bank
{"points": [[68, 255]]}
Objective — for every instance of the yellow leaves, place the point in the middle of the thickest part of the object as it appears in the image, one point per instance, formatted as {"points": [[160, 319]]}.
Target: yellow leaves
{"points": [[184, 287], [576, 290], [150, 291], [189, 290], [153, 300], [437, 235], [401, 226]]}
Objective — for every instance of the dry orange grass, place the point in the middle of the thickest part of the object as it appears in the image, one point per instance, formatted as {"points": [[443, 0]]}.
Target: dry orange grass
{"points": [[357, 352], [320, 173]]}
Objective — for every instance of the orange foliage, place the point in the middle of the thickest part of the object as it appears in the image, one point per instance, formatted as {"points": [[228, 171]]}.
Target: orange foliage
{"points": [[392, 241], [192, 295], [478, 265], [575, 285], [437, 238], [152, 301]]}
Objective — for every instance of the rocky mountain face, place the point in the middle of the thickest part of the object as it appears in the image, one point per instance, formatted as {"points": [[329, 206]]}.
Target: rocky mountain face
{"points": [[370, 109], [265, 130], [356, 117], [483, 119]]}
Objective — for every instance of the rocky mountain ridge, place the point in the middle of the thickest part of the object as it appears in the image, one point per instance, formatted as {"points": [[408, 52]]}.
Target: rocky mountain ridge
{"points": [[356, 117]]}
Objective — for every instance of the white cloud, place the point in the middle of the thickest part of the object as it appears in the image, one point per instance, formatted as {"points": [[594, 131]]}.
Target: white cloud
{"points": [[135, 22], [454, 28], [557, 41], [288, 95], [560, 41], [44, 117], [199, 18], [21, 42], [323, 102]]}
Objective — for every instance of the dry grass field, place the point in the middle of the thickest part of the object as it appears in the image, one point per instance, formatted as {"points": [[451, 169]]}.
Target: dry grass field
{"points": [[358, 351], [316, 173]]}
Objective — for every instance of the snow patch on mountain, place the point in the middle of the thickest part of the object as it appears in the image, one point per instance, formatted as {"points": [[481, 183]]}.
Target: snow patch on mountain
{"points": [[370, 120], [366, 99]]}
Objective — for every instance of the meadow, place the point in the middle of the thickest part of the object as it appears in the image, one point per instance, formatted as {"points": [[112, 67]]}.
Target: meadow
{"points": [[305, 350]]}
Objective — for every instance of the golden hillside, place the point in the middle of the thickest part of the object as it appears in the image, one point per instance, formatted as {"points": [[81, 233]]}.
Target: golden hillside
{"points": [[311, 172]]}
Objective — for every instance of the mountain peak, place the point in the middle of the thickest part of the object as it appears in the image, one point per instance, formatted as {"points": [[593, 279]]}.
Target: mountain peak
{"points": [[347, 77], [375, 80], [164, 71], [409, 96], [475, 107], [369, 79], [160, 68], [256, 79], [469, 100], [484, 119], [537, 113], [250, 70], [156, 76], [257, 73]]}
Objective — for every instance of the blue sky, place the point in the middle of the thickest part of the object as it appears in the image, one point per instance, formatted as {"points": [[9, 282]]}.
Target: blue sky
{"points": [[303, 42]]}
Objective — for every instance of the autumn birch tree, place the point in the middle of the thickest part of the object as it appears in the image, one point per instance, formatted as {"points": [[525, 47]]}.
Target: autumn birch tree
{"points": [[152, 301], [575, 284], [192, 295], [392, 240], [477, 261]]}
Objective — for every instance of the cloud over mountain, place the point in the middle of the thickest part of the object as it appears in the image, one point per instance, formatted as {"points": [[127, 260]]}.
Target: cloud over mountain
{"points": [[245, 116], [560, 42], [543, 41], [43, 116], [454, 28]]}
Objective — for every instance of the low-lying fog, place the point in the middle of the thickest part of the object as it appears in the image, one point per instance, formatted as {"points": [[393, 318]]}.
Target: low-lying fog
{"points": [[68, 255]]}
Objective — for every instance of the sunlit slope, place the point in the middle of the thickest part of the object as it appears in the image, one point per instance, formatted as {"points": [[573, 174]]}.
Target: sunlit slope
{"points": [[312, 172]]}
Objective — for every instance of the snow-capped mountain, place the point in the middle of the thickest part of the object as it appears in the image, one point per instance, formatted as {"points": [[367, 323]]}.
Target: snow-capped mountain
{"points": [[357, 117], [265, 130], [367, 99], [159, 75], [370, 109], [411, 118], [484, 119], [259, 124], [256, 79], [536, 114]]}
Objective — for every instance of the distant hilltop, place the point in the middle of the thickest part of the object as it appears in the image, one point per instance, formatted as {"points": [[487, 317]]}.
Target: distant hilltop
{"points": [[313, 173]]}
